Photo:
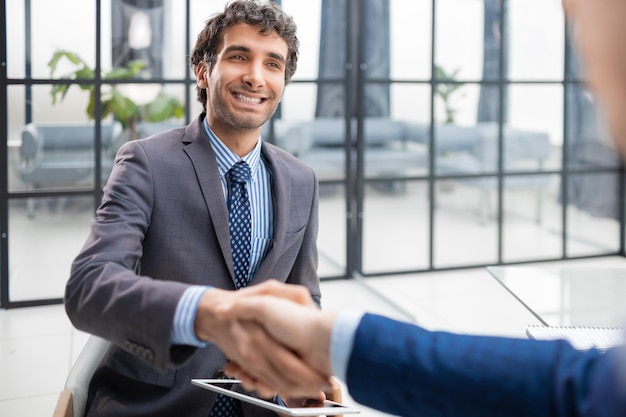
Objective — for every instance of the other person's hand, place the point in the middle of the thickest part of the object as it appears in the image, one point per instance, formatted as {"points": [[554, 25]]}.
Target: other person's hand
{"points": [[303, 329], [273, 366], [599, 34]]}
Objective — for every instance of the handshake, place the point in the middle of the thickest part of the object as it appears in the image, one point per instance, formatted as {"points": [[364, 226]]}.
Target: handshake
{"points": [[276, 339]]}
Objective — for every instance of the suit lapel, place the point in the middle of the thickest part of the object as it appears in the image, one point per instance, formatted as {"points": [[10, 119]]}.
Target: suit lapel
{"points": [[282, 209], [204, 163]]}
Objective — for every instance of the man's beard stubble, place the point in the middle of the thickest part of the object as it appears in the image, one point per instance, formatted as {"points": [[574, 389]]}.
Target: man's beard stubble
{"points": [[240, 120]]}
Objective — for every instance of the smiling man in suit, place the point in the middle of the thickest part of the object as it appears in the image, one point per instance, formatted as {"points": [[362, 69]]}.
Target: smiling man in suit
{"points": [[165, 247], [405, 370]]}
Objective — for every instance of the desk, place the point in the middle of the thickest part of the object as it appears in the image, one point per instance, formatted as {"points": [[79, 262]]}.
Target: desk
{"points": [[568, 296]]}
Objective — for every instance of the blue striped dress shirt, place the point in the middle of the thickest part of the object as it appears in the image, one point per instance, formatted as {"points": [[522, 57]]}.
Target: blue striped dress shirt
{"points": [[262, 210]]}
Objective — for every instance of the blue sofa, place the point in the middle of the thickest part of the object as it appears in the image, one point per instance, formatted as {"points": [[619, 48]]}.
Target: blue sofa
{"points": [[396, 148], [389, 146], [57, 154]]}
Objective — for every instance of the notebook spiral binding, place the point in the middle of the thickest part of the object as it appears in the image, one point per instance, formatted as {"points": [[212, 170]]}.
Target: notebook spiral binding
{"points": [[580, 337]]}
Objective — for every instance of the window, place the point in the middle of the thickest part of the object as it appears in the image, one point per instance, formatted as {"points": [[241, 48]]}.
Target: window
{"points": [[444, 132]]}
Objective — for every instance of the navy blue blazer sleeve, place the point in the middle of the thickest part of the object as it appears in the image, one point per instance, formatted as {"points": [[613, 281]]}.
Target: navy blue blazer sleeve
{"points": [[405, 370]]}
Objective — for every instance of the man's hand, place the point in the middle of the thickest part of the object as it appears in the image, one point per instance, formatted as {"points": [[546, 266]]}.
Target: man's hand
{"points": [[303, 329], [214, 306], [272, 366]]}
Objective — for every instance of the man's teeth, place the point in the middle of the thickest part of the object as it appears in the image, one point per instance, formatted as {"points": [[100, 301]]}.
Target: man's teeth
{"points": [[248, 100]]}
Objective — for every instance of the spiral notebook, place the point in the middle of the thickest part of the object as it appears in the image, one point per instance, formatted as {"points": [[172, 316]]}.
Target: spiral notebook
{"points": [[581, 337]]}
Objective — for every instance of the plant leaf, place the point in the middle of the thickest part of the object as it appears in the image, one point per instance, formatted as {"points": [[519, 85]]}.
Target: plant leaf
{"points": [[85, 72], [72, 57], [136, 65], [58, 90], [162, 108], [119, 73], [123, 108], [91, 106]]}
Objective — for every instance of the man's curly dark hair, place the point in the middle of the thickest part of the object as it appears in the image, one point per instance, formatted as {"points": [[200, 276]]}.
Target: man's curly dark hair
{"points": [[269, 17]]}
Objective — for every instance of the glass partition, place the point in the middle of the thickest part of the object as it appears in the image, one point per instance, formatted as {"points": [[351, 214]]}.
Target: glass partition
{"points": [[536, 34], [594, 212], [43, 246], [395, 226], [461, 129]]}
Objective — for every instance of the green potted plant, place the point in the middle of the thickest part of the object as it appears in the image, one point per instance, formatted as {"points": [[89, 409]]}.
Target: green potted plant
{"points": [[445, 91], [114, 97]]}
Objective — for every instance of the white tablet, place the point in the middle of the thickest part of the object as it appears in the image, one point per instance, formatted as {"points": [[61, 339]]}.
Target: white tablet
{"points": [[222, 386]]}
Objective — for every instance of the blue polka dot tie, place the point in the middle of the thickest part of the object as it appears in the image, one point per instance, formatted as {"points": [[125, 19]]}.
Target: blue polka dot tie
{"points": [[239, 224], [226, 407], [239, 221]]}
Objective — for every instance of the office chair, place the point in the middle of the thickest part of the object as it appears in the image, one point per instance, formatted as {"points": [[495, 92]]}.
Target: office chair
{"points": [[73, 399]]}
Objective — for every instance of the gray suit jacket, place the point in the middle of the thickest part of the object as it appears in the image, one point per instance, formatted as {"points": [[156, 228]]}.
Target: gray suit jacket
{"points": [[162, 226]]}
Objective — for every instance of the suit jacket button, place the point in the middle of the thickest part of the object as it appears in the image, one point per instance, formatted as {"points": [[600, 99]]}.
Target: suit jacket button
{"points": [[149, 355]]}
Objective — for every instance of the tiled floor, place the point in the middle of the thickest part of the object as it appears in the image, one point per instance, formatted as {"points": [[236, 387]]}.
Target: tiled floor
{"points": [[38, 345]]}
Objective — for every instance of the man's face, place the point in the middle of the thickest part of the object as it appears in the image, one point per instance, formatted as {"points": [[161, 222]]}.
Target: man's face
{"points": [[247, 81]]}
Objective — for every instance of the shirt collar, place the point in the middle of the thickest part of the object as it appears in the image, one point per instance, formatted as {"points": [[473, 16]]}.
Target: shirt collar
{"points": [[226, 158]]}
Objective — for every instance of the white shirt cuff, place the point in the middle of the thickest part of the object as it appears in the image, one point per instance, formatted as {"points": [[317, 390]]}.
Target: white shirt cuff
{"points": [[342, 340]]}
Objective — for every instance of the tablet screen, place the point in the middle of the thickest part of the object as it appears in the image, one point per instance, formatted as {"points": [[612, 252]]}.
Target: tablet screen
{"points": [[222, 386]]}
